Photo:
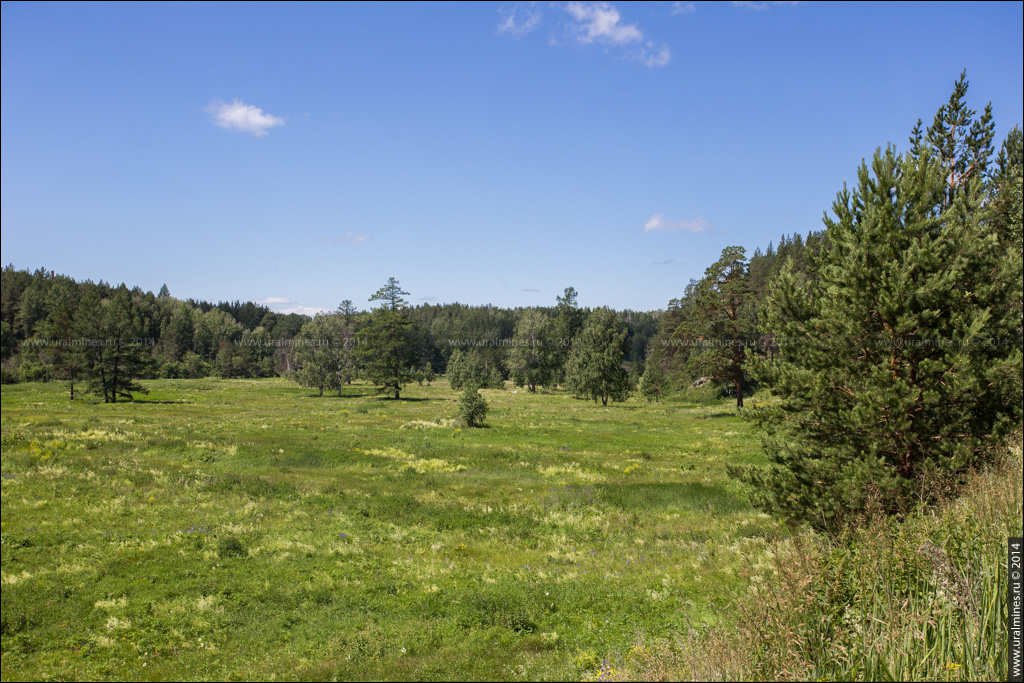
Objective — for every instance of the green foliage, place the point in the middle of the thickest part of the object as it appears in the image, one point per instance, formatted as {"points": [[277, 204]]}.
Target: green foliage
{"points": [[566, 326], [384, 347], [532, 356], [117, 350], [720, 325], [473, 408], [321, 350], [595, 367], [903, 356], [472, 368], [652, 383]]}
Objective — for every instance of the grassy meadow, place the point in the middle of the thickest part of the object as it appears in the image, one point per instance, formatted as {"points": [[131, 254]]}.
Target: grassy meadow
{"points": [[248, 529]]}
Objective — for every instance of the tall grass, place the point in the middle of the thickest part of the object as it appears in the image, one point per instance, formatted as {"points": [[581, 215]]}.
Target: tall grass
{"points": [[920, 599]]}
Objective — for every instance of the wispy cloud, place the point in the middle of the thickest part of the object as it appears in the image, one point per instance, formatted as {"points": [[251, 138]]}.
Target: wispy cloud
{"points": [[666, 262], [282, 304], [683, 8], [658, 222], [241, 116], [757, 6], [519, 20], [530, 289], [429, 298], [349, 239], [656, 58], [602, 22], [311, 311], [590, 23]]}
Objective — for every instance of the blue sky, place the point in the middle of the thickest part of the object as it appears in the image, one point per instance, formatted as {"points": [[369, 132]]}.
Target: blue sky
{"points": [[483, 153]]}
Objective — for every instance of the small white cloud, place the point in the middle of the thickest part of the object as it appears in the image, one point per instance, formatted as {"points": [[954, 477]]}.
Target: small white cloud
{"points": [[241, 116], [349, 239], [658, 222], [666, 262], [683, 8], [659, 58], [311, 311], [429, 298], [531, 289], [519, 20], [282, 304], [602, 22]]}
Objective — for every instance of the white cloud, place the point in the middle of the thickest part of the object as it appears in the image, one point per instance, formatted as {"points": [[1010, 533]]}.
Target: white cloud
{"points": [[311, 311], [683, 8], [531, 289], [658, 222], [601, 22], [349, 239], [241, 116], [282, 304], [519, 20], [659, 58]]}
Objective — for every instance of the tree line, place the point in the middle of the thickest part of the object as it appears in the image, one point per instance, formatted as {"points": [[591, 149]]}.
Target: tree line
{"points": [[103, 339]]}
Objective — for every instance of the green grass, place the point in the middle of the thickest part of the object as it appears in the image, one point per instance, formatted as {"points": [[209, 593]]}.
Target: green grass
{"points": [[248, 529], [924, 598]]}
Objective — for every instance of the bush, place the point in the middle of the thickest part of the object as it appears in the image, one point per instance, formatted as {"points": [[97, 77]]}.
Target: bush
{"points": [[472, 407]]}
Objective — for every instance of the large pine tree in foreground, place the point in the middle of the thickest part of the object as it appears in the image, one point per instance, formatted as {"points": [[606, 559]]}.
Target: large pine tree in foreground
{"points": [[901, 354]]}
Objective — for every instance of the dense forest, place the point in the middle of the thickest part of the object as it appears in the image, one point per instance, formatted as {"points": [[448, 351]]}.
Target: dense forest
{"points": [[50, 322]]}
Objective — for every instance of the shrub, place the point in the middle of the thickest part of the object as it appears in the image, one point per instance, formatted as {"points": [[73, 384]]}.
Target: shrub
{"points": [[472, 407]]}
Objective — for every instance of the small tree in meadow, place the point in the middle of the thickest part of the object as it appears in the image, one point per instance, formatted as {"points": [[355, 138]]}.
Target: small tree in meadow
{"points": [[472, 407]]}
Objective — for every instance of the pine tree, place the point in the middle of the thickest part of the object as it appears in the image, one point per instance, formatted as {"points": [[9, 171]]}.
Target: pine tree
{"points": [[472, 407], [889, 377], [384, 347], [594, 369], [117, 351], [652, 383], [64, 348], [565, 328], [721, 324]]}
